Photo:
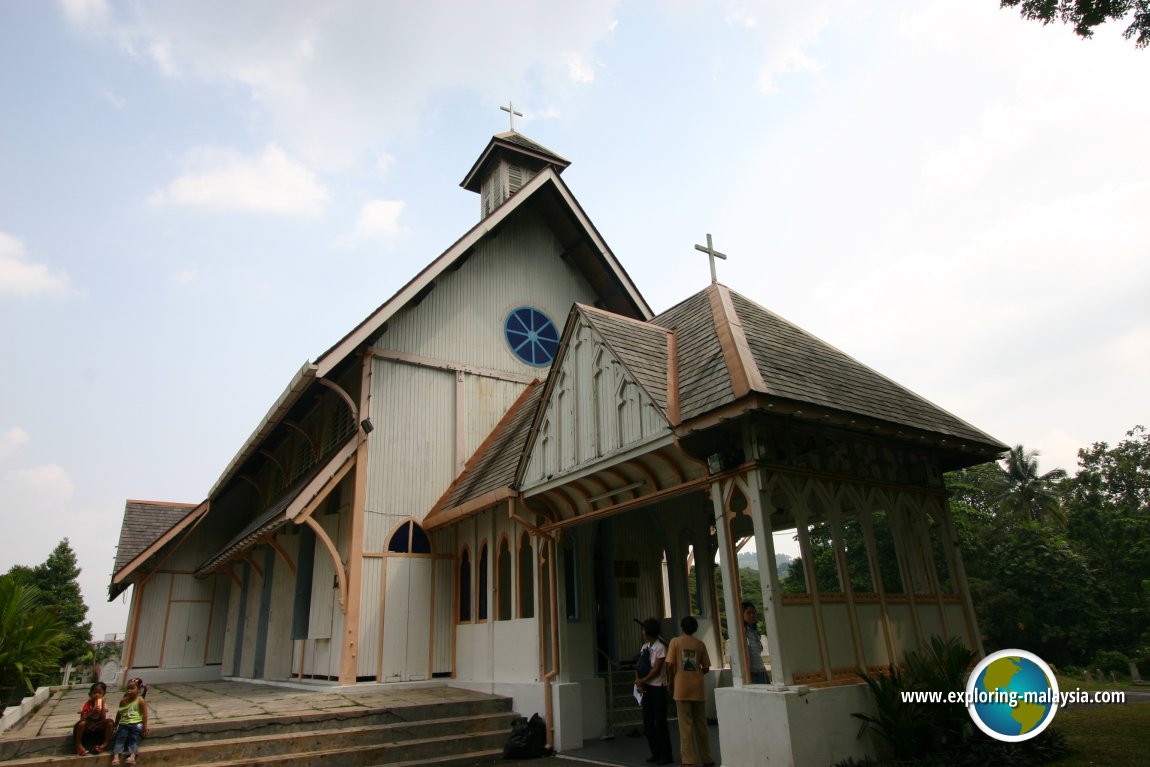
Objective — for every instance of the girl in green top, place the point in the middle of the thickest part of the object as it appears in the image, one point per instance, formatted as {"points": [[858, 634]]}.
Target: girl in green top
{"points": [[132, 722]]}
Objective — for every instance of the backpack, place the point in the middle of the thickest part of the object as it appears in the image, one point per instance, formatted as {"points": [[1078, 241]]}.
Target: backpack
{"points": [[528, 739], [643, 663]]}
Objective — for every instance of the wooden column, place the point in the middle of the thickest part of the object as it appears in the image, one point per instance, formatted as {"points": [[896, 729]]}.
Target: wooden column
{"points": [[728, 562], [349, 653]]}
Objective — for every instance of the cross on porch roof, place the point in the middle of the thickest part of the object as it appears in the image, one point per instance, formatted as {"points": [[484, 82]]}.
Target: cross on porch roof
{"points": [[713, 254]]}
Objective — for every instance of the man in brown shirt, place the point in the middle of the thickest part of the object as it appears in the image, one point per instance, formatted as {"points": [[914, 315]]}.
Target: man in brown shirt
{"points": [[687, 665]]}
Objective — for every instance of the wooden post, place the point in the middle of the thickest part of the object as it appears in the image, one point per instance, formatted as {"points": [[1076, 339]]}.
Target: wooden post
{"points": [[349, 654]]}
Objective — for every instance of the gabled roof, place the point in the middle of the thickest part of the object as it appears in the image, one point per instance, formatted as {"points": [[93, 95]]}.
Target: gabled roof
{"points": [[642, 347], [513, 143], [553, 197], [147, 527], [714, 349], [489, 474], [546, 193]]}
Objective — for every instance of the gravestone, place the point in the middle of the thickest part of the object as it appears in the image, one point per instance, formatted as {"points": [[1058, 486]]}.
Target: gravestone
{"points": [[1089, 676], [1135, 677]]}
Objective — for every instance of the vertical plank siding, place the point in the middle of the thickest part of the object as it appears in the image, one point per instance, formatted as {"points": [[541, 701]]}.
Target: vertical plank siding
{"points": [[596, 408]]}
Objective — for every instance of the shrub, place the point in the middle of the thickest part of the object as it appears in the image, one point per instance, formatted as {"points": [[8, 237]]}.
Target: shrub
{"points": [[1111, 660]]}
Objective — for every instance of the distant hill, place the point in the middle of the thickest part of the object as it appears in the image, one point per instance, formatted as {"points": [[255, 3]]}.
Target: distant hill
{"points": [[751, 560]]}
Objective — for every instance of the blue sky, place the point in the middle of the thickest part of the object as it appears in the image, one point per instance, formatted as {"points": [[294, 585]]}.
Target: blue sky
{"points": [[196, 198]]}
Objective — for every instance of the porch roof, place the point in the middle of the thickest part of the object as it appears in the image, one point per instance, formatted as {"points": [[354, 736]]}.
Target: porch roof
{"points": [[489, 475]]}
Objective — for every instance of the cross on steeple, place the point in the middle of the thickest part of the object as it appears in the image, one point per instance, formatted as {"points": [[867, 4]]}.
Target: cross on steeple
{"points": [[710, 251], [510, 109]]}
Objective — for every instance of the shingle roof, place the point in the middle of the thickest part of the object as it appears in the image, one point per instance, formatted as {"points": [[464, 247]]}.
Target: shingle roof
{"points": [[796, 365], [145, 522], [495, 462], [640, 346], [704, 383], [778, 360], [515, 137]]}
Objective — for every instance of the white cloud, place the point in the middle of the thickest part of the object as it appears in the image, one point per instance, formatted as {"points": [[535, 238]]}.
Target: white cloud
{"points": [[578, 69], [11, 439], [338, 80], [39, 488], [85, 13], [788, 33], [379, 219], [21, 277], [119, 102], [225, 180]]}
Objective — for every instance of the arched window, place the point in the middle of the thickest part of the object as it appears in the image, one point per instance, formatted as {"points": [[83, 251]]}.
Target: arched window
{"points": [[570, 577], [526, 578], [503, 580], [465, 586], [409, 538], [481, 592]]}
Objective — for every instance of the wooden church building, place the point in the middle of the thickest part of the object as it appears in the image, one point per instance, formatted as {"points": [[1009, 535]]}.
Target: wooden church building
{"points": [[489, 479]]}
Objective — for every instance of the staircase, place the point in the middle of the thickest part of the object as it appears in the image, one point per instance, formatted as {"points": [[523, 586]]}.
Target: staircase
{"points": [[624, 715], [448, 733]]}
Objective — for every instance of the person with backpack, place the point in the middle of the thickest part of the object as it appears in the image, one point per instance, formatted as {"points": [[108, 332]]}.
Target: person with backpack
{"points": [[652, 685]]}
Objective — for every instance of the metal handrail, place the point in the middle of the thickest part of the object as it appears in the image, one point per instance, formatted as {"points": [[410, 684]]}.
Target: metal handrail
{"points": [[611, 665]]}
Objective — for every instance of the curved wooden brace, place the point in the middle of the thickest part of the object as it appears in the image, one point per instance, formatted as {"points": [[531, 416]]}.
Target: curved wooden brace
{"points": [[343, 395], [271, 541], [571, 499], [259, 490], [307, 437], [598, 487], [638, 465], [340, 573], [674, 468], [227, 570], [549, 511], [267, 454], [247, 557]]}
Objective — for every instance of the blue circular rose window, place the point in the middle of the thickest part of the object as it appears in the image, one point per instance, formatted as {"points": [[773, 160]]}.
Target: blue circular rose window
{"points": [[531, 335]]}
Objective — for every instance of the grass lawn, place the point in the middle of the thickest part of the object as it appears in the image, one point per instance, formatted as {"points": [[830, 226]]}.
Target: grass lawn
{"points": [[1116, 735]]}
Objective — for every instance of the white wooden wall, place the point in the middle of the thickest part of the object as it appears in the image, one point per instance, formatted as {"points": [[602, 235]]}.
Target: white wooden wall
{"points": [[595, 409]]}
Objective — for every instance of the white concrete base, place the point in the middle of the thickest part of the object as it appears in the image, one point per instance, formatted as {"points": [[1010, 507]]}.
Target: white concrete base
{"points": [[770, 726], [13, 715], [169, 675]]}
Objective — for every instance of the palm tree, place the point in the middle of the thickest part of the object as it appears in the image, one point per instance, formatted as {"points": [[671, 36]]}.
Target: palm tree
{"points": [[1028, 495], [30, 636]]}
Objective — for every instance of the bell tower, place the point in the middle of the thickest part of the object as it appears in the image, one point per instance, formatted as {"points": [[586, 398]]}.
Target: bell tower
{"points": [[509, 161]]}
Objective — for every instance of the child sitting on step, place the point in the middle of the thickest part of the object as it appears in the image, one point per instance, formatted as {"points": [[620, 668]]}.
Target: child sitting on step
{"points": [[131, 722], [94, 722]]}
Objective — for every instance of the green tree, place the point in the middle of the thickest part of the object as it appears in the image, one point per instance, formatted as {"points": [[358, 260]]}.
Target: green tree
{"points": [[56, 581], [1027, 495], [1085, 15], [31, 635], [1109, 522], [1031, 586]]}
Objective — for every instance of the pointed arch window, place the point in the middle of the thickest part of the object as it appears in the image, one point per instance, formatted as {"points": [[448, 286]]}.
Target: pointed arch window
{"points": [[465, 586], [481, 590], [503, 581], [526, 577], [409, 538]]}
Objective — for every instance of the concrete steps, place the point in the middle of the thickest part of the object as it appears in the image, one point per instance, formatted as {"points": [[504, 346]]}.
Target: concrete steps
{"points": [[446, 733], [624, 715]]}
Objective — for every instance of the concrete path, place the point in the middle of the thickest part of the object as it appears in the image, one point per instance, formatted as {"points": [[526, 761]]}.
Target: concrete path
{"points": [[184, 704]]}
